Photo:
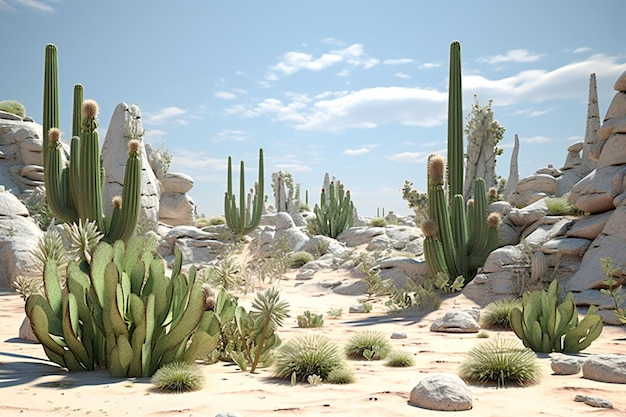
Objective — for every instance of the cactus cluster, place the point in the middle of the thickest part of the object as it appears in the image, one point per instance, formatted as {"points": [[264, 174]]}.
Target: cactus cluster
{"points": [[458, 236], [245, 218], [121, 312], [335, 212], [546, 326], [74, 191]]}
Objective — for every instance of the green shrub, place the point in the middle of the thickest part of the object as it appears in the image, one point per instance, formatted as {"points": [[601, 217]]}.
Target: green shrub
{"points": [[178, 377], [378, 222], [310, 354], [14, 107], [497, 313], [562, 206], [210, 221], [368, 344], [503, 362], [308, 319], [297, 259], [400, 359], [341, 375]]}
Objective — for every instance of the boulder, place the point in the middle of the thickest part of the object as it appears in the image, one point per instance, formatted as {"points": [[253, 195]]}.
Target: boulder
{"points": [[456, 321], [441, 392], [605, 368]]}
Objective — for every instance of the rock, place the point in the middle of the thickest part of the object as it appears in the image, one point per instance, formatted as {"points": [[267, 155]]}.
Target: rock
{"points": [[175, 182], [533, 188], [605, 368], [588, 227], [441, 392], [21, 155], [575, 247], [20, 234], [546, 229], [176, 209], [565, 365], [595, 192], [398, 335], [280, 221], [305, 274], [357, 308], [529, 214], [125, 125], [356, 236], [401, 267], [455, 321], [26, 331], [486, 288], [594, 401]]}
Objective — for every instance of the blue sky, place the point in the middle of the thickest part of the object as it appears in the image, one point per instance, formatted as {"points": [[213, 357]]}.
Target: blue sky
{"points": [[357, 89]]}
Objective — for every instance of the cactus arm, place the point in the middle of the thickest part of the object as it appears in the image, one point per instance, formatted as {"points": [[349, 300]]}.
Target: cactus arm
{"points": [[90, 173], [455, 123], [50, 94], [247, 217], [581, 336]]}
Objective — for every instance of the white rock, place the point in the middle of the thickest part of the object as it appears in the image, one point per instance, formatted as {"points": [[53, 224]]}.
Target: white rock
{"points": [[441, 392]]}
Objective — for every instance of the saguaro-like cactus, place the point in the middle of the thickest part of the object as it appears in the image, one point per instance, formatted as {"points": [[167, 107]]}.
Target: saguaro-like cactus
{"points": [[335, 212], [75, 191], [124, 314], [459, 236], [245, 218]]}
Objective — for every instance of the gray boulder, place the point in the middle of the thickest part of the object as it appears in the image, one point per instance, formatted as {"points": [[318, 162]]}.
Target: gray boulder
{"points": [[605, 368], [441, 392]]}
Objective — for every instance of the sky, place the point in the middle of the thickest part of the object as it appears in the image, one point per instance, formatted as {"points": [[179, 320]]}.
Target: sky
{"points": [[353, 88]]}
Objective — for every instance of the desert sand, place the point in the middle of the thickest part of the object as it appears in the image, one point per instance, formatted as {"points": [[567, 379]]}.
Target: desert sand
{"points": [[30, 385]]}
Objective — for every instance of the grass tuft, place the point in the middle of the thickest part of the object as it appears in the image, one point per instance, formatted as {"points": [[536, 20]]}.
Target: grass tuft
{"points": [[497, 313], [400, 359], [368, 344], [178, 377]]}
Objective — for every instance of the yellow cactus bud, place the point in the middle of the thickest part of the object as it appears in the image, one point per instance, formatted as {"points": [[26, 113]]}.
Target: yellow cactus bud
{"points": [[436, 170], [90, 109], [54, 135], [494, 220]]}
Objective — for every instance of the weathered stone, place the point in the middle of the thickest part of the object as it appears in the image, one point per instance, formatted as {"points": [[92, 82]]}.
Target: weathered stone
{"points": [[547, 228], [613, 152], [499, 258], [399, 267], [605, 368], [617, 107], [566, 246], [529, 214], [441, 392], [398, 335], [356, 236], [594, 401], [176, 182], [176, 209], [565, 365], [588, 227], [595, 192], [620, 84], [21, 146], [26, 331], [455, 321]]}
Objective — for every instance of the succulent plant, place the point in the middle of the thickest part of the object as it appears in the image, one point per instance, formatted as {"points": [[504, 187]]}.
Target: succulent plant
{"points": [[245, 218], [335, 212]]}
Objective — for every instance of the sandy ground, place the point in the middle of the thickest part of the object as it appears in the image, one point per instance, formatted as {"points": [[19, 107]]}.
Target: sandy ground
{"points": [[30, 385]]}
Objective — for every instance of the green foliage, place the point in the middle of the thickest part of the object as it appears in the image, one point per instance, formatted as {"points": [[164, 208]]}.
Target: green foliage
{"points": [[368, 344], [335, 312], [378, 222], [297, 259], [482, 335], [400, 359], [546, 326], [497, 313], [416, 201], [121, 312], [311, 354], [245, 218], [26, 285], [425, 296], [613, 290], [74, 190], [503, 362], [38, 207], [178, 377], [14, 107], [308, 319], [209, 221], [334, 213], [562, 206], [341, 375]]}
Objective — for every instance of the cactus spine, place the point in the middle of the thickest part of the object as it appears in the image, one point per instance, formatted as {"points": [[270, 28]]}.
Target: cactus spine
{"points": [[246, 218], [335, 212], [545, 326], [462, 235], [75, 192]]}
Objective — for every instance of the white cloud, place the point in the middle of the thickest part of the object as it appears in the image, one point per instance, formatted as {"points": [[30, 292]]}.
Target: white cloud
{"points": [[414, 157], [582, 49], [293, 168], [358, 151], [399, 61], [536, 139], [294, 61], [153, 135], [514, 55], [402, 75], [42, 6], [165, 115], [225, 95], [184, 160], [230, 135], [429, 65]]}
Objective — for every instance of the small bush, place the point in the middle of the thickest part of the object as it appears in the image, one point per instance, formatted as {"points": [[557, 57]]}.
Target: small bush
{"points": [[562, 206], [497, 312], [178, 377], [368, 344], [341, 375], [335, 312], [378, 222], [306, 355], [400, 359], [308, 319], [14, 107], [503, 362], [297, 259], [210, 221]]}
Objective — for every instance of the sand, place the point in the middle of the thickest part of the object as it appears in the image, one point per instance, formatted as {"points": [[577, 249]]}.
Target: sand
{"points": [[30, 385]]}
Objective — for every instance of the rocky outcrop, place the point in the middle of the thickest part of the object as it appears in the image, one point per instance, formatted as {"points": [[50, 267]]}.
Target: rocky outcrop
{"points": [[441, 392]]}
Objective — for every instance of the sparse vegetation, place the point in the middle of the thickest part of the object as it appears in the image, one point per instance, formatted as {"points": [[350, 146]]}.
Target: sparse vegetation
{"points": [[308, 319], [210, 221], [378, 222], [335, 312], [178, 377], [497, 313], [613, 290], [502, 362], [369, 345], [562, 206], [400, 359], [297, 259], [13, 107]]}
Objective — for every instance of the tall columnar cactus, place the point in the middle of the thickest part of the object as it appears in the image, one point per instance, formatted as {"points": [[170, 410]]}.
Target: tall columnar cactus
{"points": [[75, 191], [458, 236], [124, 314], [245, 218], [335, 212], [545, 326]]}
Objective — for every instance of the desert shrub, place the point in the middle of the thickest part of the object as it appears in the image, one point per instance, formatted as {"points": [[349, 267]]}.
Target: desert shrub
{"points": [[310, 354], [178, 377], [368, 344], [297, 259], [378, 222], [497, 313], [503, 362], [14, 107], [308, 319], [562, 206], [341, 375], [400, 359], [209, 221], [335, 312], [38, 207]]}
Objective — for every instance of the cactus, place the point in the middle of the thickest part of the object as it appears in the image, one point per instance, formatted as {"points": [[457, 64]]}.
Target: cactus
{"points": [[123, 314], [246, 218], [458, 236], [546, 327], [75, 192], [335, 212]]}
